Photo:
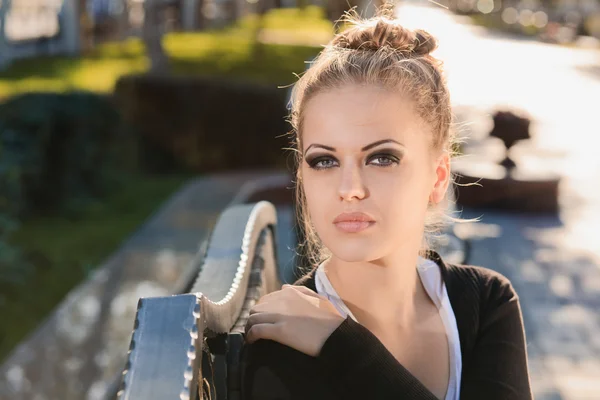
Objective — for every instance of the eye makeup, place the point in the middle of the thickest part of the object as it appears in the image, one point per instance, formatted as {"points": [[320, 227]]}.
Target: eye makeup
{"points": [[321, 161], [392, 157], [383, 158]]}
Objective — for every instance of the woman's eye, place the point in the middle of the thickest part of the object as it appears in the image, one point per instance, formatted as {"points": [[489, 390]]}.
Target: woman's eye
{"points": [[383, 160], [380, 160], [322, 163]]}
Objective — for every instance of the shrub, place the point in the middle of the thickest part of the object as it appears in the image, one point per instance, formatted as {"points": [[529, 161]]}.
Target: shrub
{"points": [[15, 268], [56, 151], [204, 124]]}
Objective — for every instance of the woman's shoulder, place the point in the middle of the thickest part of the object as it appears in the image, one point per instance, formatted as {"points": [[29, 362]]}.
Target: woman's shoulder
{"points": [[486, 283], [472, 279], [483, 300]]}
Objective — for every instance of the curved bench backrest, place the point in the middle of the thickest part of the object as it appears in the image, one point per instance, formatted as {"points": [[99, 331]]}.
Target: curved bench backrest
{"points": [[171, 342]]}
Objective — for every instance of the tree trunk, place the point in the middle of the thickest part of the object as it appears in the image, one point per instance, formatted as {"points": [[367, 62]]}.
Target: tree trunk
{"points": [[188, 14], [4, 57], [258, 47], [124, 20], [335, 9], [70, 20], [85, 27], [152, 36]]}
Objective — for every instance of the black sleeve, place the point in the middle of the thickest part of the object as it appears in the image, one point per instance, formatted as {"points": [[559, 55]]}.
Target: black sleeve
{"points": [[497, 366], [273, 371], [353, 364], [361, 367]]}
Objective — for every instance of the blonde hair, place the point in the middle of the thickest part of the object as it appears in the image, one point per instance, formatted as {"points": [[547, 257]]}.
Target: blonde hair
{"points": [[379, 52]]}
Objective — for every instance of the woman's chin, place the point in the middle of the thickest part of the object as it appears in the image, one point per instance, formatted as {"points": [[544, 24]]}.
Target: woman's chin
{"points": [[354, 252]]}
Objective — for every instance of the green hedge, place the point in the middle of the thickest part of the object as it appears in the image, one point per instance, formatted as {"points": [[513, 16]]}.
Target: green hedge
{"points": [[59, 151], [56, 151], [204, 124]]}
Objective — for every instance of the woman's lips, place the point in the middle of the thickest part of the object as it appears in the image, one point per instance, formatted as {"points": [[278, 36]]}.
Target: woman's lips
{"points": [[353, 222], [353, 226]]}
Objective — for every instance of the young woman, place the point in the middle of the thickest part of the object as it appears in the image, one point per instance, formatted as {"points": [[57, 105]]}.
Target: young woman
{"points": [[379, 316]]}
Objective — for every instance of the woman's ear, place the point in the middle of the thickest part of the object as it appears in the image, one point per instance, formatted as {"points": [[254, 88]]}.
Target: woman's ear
{"points": [[442, 179]]}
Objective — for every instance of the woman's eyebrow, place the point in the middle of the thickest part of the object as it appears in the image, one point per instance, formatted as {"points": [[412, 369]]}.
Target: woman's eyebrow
{"points": [[367, 147]]}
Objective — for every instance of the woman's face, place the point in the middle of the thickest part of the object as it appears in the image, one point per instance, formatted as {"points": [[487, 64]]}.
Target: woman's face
{"points": [[366, 151]]}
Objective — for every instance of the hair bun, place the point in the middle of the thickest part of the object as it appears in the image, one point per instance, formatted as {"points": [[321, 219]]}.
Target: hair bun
{"points": [[386, 33], [424, 42]]}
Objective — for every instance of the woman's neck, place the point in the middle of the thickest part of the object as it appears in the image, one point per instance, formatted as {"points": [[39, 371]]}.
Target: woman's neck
{"points": [[382, 294]]}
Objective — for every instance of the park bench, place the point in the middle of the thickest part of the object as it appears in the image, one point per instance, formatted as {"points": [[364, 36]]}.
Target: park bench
{"points": [[190, 343]]}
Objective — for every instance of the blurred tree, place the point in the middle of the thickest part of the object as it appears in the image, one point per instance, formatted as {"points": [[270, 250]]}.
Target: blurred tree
{"points": [[262, 6], [152, 33], [4, 4], [124, 20], [85, 26], [191, 13], [335, 9]]}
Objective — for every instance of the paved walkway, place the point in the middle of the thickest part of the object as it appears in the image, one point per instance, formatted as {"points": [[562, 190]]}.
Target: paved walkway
{"points": [[553, 262]]}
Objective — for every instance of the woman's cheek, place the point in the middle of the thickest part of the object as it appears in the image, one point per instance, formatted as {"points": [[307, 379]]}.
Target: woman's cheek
{"points": [[316, 199], [398, 205]]}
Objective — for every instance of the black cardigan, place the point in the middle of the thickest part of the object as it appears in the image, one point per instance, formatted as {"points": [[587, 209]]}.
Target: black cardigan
{"points": [[354, 364]]}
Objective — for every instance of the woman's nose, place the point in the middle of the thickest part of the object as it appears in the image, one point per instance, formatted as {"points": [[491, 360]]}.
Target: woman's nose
{"points": [[352, 185]]}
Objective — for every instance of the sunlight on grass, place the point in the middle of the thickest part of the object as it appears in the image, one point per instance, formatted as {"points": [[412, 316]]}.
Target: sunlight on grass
{"points": [[311, 19], [225, 52], [101, 75]]}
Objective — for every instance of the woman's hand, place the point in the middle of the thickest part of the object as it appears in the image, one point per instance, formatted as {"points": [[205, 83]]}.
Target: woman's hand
{"points": [[294, 316]]}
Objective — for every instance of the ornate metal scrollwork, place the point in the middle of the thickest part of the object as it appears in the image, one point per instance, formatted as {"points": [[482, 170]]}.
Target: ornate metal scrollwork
{"points": [[172, 334]]}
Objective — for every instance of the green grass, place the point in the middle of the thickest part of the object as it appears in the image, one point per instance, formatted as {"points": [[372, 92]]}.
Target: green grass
{"points": [[310, 19], [66, 250], [225, 52]]}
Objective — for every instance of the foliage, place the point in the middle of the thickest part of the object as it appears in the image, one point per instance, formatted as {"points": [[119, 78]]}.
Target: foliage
{"points": [[57, 154], [200, 125], [15, 270], [309, 20], [57, 151]]}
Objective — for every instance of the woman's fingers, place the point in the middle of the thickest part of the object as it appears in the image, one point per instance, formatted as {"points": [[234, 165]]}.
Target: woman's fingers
{"points": [[264, 331], [262, 318], [264, 307], [272, 301], [281, 300], [271, 295]]}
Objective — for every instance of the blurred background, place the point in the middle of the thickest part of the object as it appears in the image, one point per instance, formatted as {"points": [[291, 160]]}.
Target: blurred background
{"points": [[110, 108]]}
